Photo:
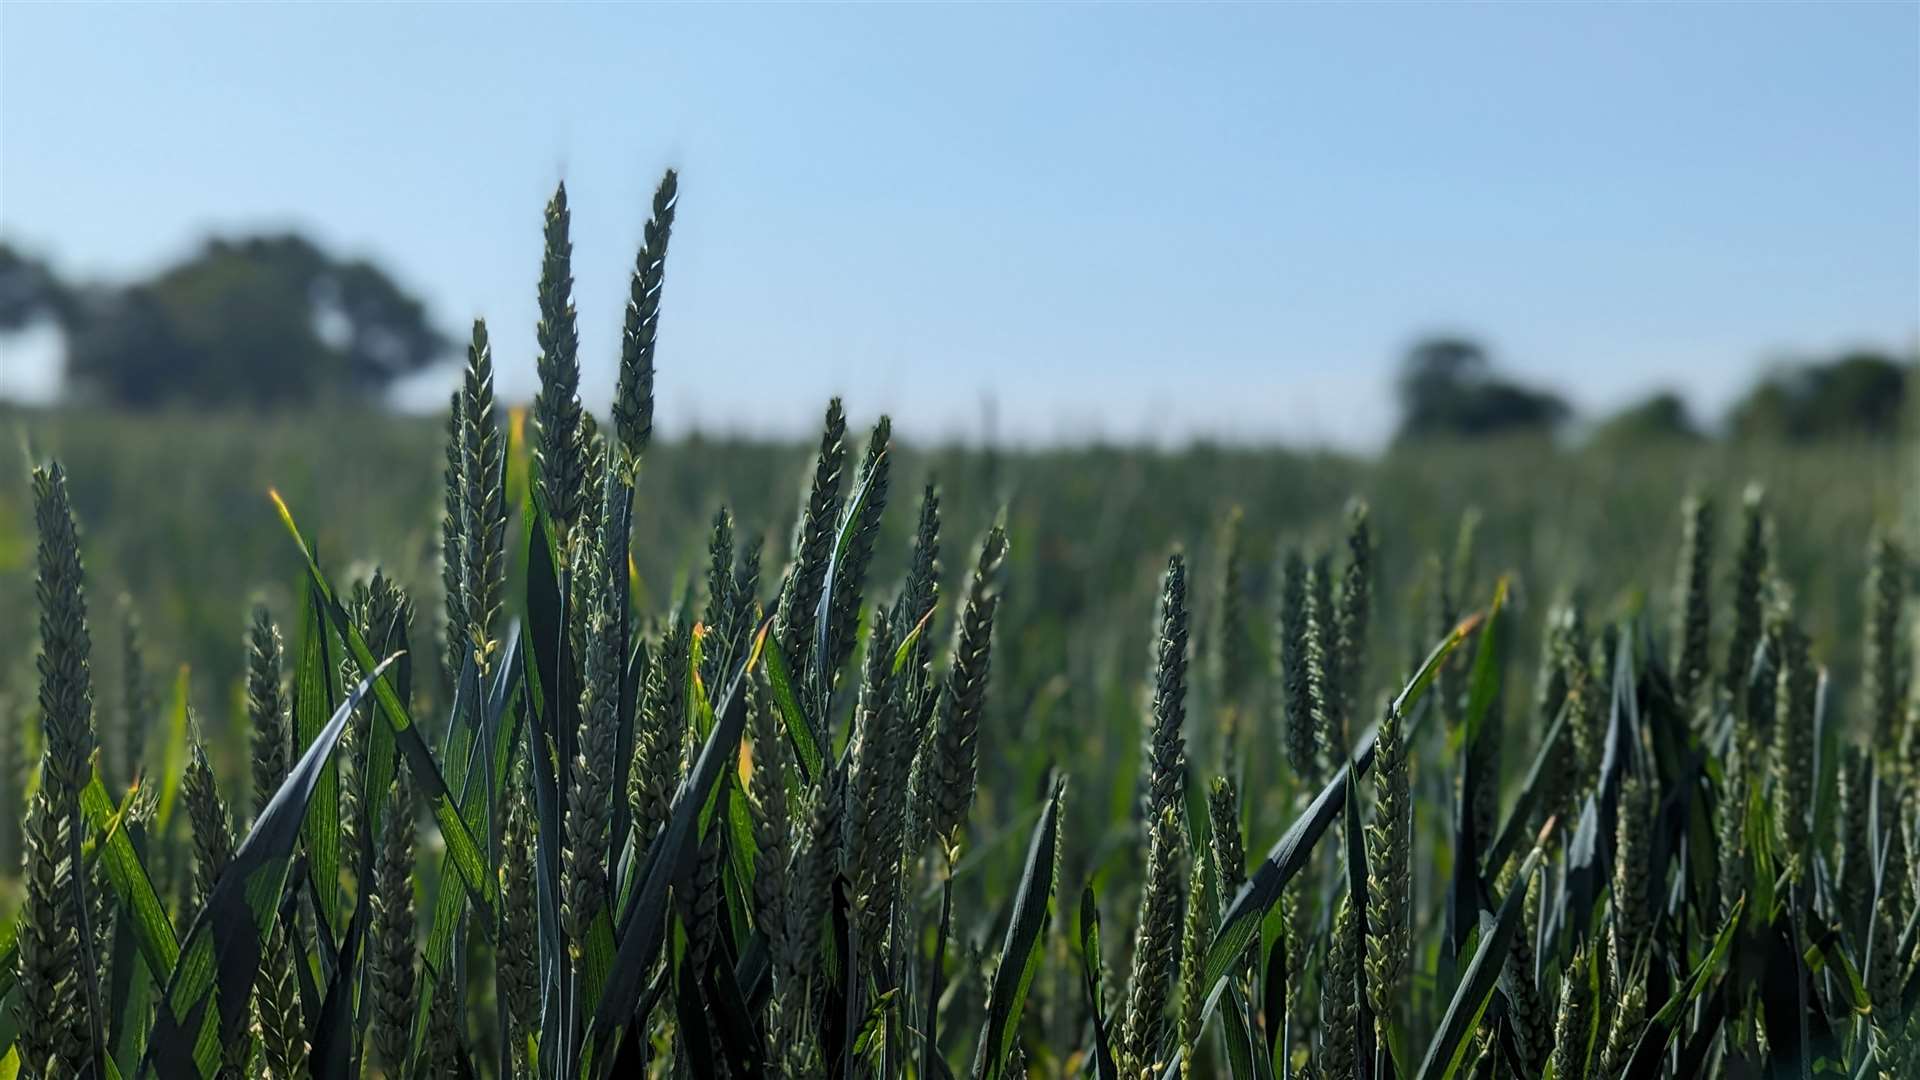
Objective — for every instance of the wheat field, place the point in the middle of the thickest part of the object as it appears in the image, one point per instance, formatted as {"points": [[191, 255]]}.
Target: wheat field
{"points": [[525, 747]]}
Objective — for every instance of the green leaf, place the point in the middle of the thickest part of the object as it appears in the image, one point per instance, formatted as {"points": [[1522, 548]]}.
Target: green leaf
{"points": [[874, 1024], [204, 1005], [1515, 828], [1021, 953], [806, 743], [313, 703], [152, 930], [462, 849], [1090, 966], [1482, 976], [173, 762], [1650, 1053], [450, 906], [1483, 684]]}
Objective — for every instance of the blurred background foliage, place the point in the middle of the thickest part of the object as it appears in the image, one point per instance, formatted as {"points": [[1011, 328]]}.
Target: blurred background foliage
{"points": [[268, 320], [174, 512]]}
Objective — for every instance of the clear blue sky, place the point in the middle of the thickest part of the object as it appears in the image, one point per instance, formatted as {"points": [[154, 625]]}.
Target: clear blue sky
{"points": [[1138, 221]]}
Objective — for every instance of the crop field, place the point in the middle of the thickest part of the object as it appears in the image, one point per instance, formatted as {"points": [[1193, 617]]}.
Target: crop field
{"points": [[517, 743]]}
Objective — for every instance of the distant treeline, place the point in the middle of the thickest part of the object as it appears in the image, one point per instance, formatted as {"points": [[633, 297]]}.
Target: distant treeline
{"points": [[1449, 389], [276, 320]]}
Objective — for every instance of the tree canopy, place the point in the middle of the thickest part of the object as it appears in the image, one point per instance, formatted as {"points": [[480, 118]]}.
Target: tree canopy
{"points": [[1857, 395], [1448, 389], [263, 320], [1661, 418]]}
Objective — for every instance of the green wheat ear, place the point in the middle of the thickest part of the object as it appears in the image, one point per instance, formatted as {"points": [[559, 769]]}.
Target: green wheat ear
{"points": [[453, 540], [212, 851], [813, 538], [1751, 566], [1292, 645], [698, 908], [956, 734], [1887, 656], [1793, 742], [871, 844], [562, 448], [659, 730], [1573, 1023], [809, 877], [1559, 690], [1356, 605], [1156, 942], [66, 648], [1339, 1007], [921, 590], [861, 525], [1167, 712], [1389, 871], [1855, 854], [722, 603], [519, 950], [1225, 840], [482, 507], [212, 826], [1157, 930], [1633, 915], [915, 687], [1731, 824], [269, 714], [49, 1006], [589, 794], [1886, 967], [68, 738], [1629, 1020], [383, 614], [633, 397], [1693, 606], [1228, 847], [392, 947], [767, 801], [1195, 930], [277, 1012], [1323, 665], [1231, 655], [1528, 1013]]}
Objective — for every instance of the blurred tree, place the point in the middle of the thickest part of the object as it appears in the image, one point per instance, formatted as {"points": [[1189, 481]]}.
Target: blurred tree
{"points": [[1448, 389], [1661, 419], [28, 289], [262, 320], [1857, 395]]}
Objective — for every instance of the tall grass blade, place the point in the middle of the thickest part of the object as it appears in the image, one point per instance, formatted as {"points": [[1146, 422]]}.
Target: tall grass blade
{"points": [[1022, 950]]}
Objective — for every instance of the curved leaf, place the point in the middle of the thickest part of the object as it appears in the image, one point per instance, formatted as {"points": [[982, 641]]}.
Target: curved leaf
{"points": [[205, 1002], [1020, 955], [1482, 976]]}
